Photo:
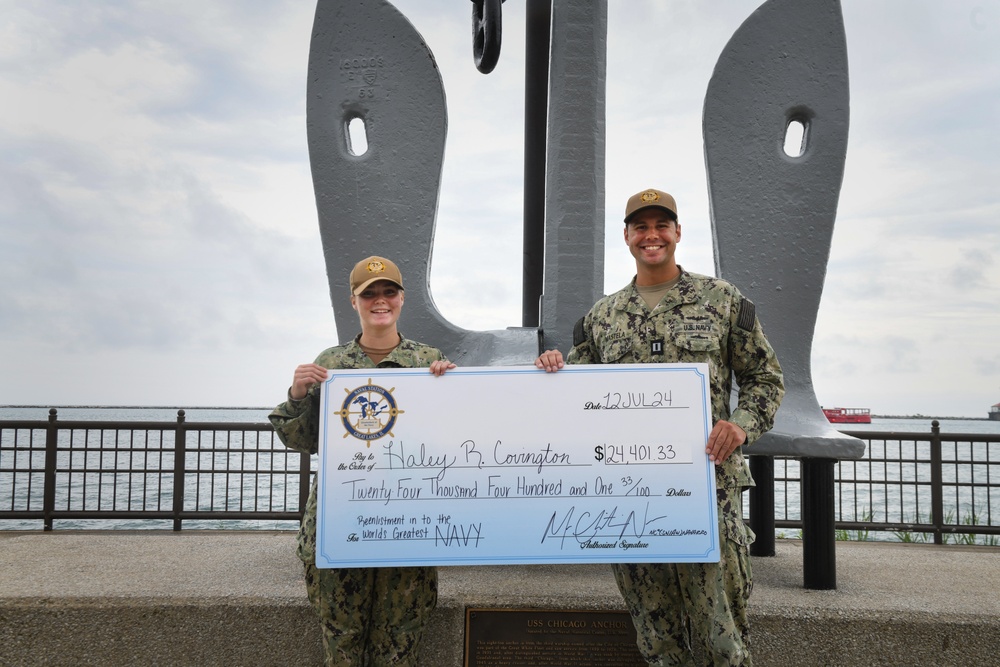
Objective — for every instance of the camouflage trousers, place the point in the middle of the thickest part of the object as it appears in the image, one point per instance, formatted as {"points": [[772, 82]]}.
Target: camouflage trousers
{"points": [[675, 604], [372, 617]]}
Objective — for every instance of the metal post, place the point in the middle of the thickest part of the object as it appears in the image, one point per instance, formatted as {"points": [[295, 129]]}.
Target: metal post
{"points": [[818, 533], [762, 505], [538, 22], [49, 492], [937, 483], [574, 168], [305, 480], [180, 436]]}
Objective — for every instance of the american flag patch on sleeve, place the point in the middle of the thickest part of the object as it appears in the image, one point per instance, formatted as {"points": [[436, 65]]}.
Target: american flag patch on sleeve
{"points": [[747, 316]]}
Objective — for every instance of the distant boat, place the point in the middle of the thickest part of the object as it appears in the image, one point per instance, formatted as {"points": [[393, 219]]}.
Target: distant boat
{"points": [[851, 415], [995, 413]]}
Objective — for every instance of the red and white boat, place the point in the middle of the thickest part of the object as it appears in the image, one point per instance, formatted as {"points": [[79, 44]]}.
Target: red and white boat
{"points": [[848, 415]]}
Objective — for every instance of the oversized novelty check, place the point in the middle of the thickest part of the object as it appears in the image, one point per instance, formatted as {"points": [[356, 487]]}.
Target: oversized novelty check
{"points": [[512, 465]]}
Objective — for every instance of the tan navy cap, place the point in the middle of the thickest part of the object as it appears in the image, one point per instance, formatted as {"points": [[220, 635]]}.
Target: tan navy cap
{"points": [[372, 269], [648, 199]]}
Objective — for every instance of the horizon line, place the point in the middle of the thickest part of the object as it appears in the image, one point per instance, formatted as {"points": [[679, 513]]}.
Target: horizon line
{"points": [[229, 407]]}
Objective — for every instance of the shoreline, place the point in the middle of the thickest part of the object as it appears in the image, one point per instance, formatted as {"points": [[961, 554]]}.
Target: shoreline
{"points": [[271, 407], [136, 407], [975, 419]]}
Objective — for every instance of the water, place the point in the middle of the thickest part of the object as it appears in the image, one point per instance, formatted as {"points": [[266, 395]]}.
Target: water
{"points": [[253, 415], [908, 506], [876, 496], [908, 424], [923, 425], [158, 488]]}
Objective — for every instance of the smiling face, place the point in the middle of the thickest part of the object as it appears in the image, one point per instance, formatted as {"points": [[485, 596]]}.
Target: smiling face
{"points": [[652, 237], [378, 306]]}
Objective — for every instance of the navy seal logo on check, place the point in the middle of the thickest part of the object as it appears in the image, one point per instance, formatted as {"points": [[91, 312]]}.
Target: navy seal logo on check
{"points": [[369, 412]]}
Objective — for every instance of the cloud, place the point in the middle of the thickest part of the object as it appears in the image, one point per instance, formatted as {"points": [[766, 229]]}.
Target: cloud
{"points": [[158, 212], [971, 271]]}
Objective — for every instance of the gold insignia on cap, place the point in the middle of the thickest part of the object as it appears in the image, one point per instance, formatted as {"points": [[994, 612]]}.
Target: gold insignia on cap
{"points": [[375, 267], [649, 196]]}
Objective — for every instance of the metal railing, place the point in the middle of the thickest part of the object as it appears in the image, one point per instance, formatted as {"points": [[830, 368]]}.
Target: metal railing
{"points": [[53, 470], [907, 486]]}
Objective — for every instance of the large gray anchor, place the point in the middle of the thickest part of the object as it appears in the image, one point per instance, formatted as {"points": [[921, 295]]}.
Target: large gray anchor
{"points": [[370, 70], [772, 213], [772, 218]]}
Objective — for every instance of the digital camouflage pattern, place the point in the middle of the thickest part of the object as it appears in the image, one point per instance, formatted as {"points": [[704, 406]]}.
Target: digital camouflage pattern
{"points": [[358, 629], [297, 422], [678, 608], [370, 616], [700, 319]]}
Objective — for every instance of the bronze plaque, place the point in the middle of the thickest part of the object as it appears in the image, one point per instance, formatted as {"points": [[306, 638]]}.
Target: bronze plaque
{"points": [[549, 638]]}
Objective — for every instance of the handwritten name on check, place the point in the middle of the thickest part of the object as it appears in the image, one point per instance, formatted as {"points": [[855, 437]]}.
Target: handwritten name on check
{"points": [[512, 465]]}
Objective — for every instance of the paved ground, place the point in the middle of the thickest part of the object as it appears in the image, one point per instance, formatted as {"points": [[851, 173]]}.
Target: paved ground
{"points": [[205, 598]]}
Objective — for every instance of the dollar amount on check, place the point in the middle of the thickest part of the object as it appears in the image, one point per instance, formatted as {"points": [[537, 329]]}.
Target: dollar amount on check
{"points": [[514, 465]]}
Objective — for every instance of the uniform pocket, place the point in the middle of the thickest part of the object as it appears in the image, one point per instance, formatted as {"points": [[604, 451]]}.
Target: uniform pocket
{"points": [[616, 351], [736, 530], [695, 341], [696, 333]]}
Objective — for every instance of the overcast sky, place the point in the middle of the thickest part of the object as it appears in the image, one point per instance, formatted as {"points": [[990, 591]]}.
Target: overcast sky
{"points": [[160, 243]]}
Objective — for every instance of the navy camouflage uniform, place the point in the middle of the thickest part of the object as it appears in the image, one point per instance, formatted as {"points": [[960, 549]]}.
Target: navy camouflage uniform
{"points": [[371, 617], [700, 319]]}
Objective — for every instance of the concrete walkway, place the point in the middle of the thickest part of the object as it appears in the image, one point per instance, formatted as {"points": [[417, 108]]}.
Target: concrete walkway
{"points": [[230, 598]]}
